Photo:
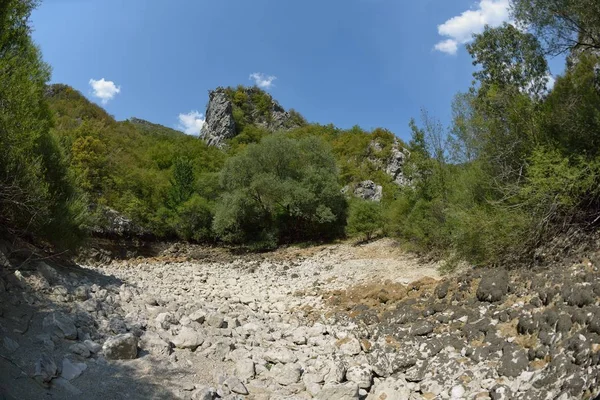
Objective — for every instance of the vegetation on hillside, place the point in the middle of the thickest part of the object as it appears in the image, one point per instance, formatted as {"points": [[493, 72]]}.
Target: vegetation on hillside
{"points": [[518, 164]]}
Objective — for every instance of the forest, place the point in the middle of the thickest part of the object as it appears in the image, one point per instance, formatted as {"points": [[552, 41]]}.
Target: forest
{"points": [[518, 165]]}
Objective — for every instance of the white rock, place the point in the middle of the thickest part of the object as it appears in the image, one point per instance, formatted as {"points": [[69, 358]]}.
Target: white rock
{"points": [[345, 391], [286, 374], [361, 375], [245, 370]]}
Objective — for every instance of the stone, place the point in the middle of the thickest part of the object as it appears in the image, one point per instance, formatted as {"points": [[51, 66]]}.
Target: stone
{"points": [[501, 392], [71, 370], [61, 325], [235, 385], [198, 316], [368, 190], [80, 349], [245, 370], [421, 328], [92, 346], [514, 360], [187, 338], [389, 389], [45, 369], [457, 392], [154, 344], [216, 321], [286, 374], [280, 355], [349, 346], [10, 345], [120, 347], [361, 375], [493, 286], [336, 372], [344, 391]]}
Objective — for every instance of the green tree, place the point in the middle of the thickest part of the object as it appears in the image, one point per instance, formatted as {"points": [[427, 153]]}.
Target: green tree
{"points": [[183, 181], [36, 194], [364, 218], [563, 25], [508, 58], [280, 189]]}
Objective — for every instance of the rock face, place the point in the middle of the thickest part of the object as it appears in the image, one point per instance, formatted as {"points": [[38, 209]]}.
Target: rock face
{"points": [[393, 164], [115, 225], [220, 124], [366, 190]]}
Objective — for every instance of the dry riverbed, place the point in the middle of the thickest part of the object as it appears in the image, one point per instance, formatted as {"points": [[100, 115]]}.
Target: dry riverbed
{"points": [[326, 322]]}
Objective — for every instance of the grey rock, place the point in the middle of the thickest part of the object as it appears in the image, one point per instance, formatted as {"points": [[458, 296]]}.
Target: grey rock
{"points": [[92, 346], [80, 349], [493, 286], [45, 369], [421, 328], [154, 344], [514, 360], [10, 345], [71, 370], [219, 124], [120, 347], [60, 325], [367, 190], [188, 338]]}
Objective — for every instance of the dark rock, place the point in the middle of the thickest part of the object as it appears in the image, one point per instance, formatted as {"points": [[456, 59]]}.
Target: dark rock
{"points": [[577, 296], [513, 361], [527, 325], [441, 290], [493, 286], [421, 328], [564, 323]]}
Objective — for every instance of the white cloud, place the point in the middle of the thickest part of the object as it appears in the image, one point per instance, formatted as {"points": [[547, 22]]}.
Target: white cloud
{"points": [[104, 90], [460, 29], [262, 81], [447, 46], [191, 123]]}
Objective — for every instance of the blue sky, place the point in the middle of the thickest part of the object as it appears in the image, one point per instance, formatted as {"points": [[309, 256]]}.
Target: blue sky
{"points": [[373, 63]]}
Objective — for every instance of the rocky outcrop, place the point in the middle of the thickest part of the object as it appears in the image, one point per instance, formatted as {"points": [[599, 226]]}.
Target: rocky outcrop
{"points": [[366, 190], [115, 225], [393, 164], [220, 124]]}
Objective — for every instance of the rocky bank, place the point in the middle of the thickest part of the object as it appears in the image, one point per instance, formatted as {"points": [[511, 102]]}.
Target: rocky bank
{"points": [[327, 322]]}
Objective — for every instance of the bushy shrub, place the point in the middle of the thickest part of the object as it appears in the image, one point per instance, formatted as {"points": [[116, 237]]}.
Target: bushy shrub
{"points": [[365, 218], [280, 189]]}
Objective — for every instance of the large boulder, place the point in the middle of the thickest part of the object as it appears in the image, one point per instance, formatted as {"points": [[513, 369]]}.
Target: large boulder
{"points": [[120, 347], [493, 286], [61, 325]]}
